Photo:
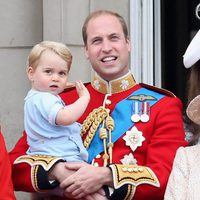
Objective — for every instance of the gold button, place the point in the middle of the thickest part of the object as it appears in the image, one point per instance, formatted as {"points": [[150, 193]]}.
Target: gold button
{"points": [[140, 170], [130, 169], [96, 164], [108, 102], [124, 169], [98, 156], [135, 169]]}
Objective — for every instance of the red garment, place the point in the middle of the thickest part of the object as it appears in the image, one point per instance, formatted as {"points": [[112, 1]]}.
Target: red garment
{"points": [[6, 186], [163, 134]]}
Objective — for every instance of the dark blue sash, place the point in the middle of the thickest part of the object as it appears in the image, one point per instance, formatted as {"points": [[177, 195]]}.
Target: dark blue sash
{"points": [[122, 118]]}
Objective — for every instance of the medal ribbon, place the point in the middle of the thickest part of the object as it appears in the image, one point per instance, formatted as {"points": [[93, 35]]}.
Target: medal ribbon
{"points": [[122, 118]]}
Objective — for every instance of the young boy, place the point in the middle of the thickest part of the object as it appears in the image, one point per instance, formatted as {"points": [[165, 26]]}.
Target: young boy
{"points": [[51, 125]]}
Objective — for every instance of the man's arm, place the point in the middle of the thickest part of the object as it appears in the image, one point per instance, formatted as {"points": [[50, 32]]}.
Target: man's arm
{"points": [[27, 177]]}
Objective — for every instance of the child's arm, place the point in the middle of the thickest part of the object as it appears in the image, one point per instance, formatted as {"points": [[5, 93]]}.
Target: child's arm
{"points": [[71, 113]]}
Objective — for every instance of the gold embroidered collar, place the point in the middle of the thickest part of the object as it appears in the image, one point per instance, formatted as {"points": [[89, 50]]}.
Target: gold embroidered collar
{"points": [[115, 86]]}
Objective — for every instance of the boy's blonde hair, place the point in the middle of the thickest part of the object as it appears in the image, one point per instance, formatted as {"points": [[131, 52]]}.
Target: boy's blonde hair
{"points": [[59, 48]]}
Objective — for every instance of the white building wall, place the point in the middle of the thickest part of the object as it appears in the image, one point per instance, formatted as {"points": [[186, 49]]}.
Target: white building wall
{"points": [[23, 24], [21, 27]]}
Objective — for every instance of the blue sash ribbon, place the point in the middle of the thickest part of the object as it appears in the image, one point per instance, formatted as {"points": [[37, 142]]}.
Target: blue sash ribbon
{"points": [[122, 119]]}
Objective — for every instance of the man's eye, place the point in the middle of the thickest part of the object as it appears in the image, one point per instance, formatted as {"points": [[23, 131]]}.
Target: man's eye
{"points": [[114, 38], [96, 41]]}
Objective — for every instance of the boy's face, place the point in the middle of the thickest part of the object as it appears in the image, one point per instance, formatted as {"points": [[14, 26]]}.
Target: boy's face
{"points": [[50, 74]]}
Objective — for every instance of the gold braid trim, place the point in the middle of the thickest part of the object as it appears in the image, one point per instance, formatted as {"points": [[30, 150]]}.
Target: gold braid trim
{"points": [[89, 120], [110, 126], [130, 193], [34, 170], [45, 161], [91, 124]]}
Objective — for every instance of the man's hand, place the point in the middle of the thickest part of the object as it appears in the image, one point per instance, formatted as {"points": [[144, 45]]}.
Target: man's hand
{"points": [[59, 172], [96, 196], [86, 180]]}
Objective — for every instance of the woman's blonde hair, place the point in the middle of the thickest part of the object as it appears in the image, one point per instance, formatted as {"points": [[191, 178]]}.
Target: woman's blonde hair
{"points": [[59, 48]]}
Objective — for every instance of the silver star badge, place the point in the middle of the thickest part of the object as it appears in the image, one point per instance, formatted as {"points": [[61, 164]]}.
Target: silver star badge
{"points": [[134, 138], [129, 160]]}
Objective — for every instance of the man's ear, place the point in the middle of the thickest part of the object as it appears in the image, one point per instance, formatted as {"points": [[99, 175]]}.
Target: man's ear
{"points": [[30, 72], [128, 42], [86, 51]]}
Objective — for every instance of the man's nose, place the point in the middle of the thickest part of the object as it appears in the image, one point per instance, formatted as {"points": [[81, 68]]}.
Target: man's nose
{"points": [[106, 46]]}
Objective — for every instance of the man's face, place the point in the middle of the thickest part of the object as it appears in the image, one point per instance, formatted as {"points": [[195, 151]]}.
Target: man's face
{"points": [[107, 48]]}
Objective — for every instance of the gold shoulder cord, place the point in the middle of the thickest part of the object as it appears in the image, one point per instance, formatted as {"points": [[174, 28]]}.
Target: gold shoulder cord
{"points": [[91, 124]]}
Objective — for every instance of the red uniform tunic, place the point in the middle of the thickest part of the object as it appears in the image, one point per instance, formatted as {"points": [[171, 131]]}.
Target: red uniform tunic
{"points": [[6, 186], [162, 135]]}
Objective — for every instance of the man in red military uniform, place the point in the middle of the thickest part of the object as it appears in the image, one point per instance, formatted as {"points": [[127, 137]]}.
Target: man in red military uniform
{"points": [[6, 186], [131, 131]]}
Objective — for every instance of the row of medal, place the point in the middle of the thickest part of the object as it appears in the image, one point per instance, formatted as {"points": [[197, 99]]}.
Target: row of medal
{"points": [[140, 111]]}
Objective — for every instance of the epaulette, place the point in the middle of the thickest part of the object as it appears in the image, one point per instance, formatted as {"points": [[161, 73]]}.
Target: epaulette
{"points": [[157, 89]]}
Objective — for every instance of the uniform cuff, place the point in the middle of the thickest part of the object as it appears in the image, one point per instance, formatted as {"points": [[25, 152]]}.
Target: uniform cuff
{"points": [[40, 166], [133, 174], [127, 177]]}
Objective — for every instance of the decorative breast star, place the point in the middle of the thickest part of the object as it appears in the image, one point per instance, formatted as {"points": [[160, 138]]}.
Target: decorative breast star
{"points": [[129, 160], [134, 138]]}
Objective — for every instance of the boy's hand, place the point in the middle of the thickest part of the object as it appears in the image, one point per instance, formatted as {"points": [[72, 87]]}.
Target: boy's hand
{"points": [[82, 90]]}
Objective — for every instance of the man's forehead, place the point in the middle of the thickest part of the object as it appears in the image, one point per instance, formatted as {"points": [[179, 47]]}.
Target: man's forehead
{"points": [[104, 26], [104, 17], [107, 34]]}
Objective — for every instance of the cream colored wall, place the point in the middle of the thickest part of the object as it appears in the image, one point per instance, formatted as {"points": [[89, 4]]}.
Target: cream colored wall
{"points": [[25, 23]]}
